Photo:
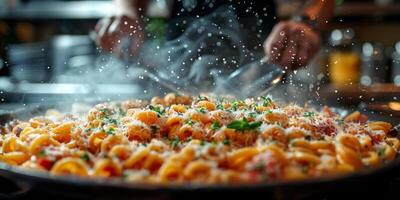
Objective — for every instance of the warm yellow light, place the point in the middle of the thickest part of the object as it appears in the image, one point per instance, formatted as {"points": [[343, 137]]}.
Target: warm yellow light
{"points": [[275, 81], [394, 105]]}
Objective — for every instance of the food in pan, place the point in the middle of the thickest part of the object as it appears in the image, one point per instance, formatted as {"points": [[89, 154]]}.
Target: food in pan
{"points": [[205, 140]]}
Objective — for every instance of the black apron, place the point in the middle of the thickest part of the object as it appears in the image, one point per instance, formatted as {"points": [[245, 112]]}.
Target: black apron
{"points": [[209, 39], [256, 17]]}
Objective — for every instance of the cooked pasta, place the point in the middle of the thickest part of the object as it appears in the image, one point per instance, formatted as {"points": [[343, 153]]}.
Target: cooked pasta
{"points": [[205, 140]]}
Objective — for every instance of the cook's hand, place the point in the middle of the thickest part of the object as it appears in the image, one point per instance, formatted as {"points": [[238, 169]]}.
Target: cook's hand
{"points": [[112, 31], [292, 45]]}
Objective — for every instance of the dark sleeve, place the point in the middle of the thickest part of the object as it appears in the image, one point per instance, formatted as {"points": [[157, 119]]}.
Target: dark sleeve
{"points": [[256, 17]]}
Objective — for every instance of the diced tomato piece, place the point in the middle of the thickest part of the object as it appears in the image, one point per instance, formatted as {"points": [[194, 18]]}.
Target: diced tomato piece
{"points": [[265, 164], [111, 171], [58, 157], [45, 162], [376, 138], [363, 119], [328, 111]]}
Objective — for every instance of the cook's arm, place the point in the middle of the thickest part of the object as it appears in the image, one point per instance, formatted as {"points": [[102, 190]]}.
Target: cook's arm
{"points": [[293, 44], [127, 22]]}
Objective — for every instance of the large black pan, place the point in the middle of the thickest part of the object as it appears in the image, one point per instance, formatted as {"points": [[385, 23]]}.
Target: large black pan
{"points": [[15, 183]]}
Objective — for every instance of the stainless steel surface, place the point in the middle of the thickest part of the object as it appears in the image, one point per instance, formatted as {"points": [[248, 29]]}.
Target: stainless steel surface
{"points": [[59, 10], [72, 54], [253, 79], [29, 62]]}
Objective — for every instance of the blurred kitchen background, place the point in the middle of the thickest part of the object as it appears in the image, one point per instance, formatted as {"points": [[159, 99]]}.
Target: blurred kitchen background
{"points": [[47, 55]]}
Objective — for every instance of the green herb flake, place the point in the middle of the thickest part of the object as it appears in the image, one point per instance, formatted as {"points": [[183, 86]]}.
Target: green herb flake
{"points": [[189, 122], [121, 111], [215, 126], [268, 112], [202, 143], [244, 125], [188, 139], [201, 98], [308, 137], [220, 107], [42, 153], [174, 142], [154, 129], [85, 157], [106, 111], [157, 109], [235, 105], [340, 122], [202, 110], [266, 101], [381, 152], [214, 142], [110, 121], [308, 114], [226, 141], [292, 143], [110, 131], [125, 176], [252, 115], [259, 166]]}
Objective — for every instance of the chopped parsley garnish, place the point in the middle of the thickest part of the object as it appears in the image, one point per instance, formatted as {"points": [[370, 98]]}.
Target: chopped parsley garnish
{"points": [[174, 142], [87, 130], [252, 115], [292, 142], [121, 111], [110, 121], [154, 129], [105, 111], [308, 114], [202, 143], [188, 139], [125, 175], [73, 129], [268, 112], [244, 125], [157, 109], [202, 110], [213, 142], [215, 126], [110, 131], [189, 122], [308, 137], [381, 152], [226, 142], [42, 153], [235, 105], [266, 101], [85, 157], [259, 166], [220, 107], [201, 98], [340, 122]]}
